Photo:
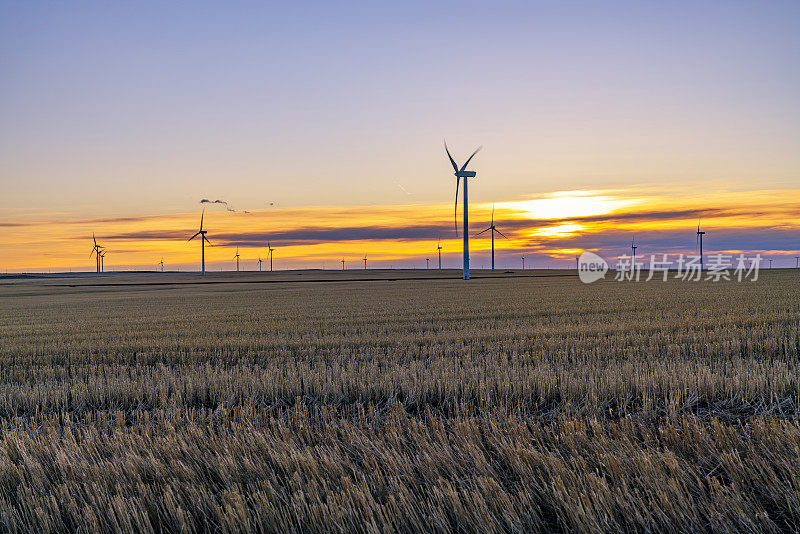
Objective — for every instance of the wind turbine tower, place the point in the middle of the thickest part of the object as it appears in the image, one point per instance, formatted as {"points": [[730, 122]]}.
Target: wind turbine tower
{"points": [[365, 261], [796, 262], [427, 263], [161, 263], [439, 250], [102, 261], [343, 264], [459, 174], [203, 239], [236, 257], [259, 264], [523, 263], [96, 249], [493, 229], [270, 250], [633, 248], [700, 242], [770, 263]]}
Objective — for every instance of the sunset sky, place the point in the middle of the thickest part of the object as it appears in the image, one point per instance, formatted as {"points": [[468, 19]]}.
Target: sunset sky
{"points": [[322, 125]]}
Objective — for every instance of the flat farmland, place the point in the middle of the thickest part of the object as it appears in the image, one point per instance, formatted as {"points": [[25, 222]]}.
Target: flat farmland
{"points": [[398, 401]]}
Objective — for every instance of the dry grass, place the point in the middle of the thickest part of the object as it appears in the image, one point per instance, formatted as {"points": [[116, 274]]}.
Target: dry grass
{"points": [[521, 404]]}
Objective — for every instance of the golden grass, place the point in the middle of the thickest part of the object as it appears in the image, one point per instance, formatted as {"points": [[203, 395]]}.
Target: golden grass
{"points": [[520, 404]]}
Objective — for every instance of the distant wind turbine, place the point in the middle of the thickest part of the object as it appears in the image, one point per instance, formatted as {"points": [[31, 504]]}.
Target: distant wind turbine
{"points": [[439, 250], [633, 248], [770, 263], [427, 263], [236, 257], [96, 251], [492, 228], [796, 262], [700, 242], [162, 264], [270, 250], [203, 239], [102, 260], [259, 264], [365, 261], [459, 174], [523, 263], [343, 264]]}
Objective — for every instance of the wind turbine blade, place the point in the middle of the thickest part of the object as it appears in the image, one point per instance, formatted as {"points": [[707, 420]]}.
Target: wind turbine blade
{"points": [[470, 158], [483, 232], [207, 241], [201, 219], [452, 161], [455, 207], [501, 233], [93, 239], [195, 235], [492, 213]]}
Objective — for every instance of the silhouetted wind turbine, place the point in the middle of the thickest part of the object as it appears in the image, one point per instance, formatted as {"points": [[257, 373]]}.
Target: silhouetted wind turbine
{"points": [[102, 260], [203, 239], [463, 173], [270, 250], [770, 263], [796, 262], [96, 251], [439, 250], [493, 229], [633, 248], [259, 264], [162, 264], [523, 263], [700, 242], [365, 261], [343, 264], [427, 263], [236, 257]]}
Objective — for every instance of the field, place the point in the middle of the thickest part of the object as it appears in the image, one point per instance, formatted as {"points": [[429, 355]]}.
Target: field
{"points": [[398, 401]]}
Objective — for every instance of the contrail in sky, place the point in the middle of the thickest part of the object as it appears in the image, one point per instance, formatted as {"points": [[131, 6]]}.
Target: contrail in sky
{"points": [[227, 206]]}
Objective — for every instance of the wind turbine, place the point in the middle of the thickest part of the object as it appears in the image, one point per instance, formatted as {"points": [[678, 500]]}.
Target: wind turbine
{"points": [[523, 263], [343, 264], [102, 260], [633, 248], [236, 257], [700, 242], [203, 239], [459, 174], [365, 261], [427, 263], [96, 251], [796, 262], [439, 250], [161, 263], [770, 263], [259, 264], [270, 250], [493, 229]]}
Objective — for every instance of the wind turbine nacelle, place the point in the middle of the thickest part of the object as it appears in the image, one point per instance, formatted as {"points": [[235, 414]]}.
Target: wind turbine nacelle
{"points": [[466, 174]]}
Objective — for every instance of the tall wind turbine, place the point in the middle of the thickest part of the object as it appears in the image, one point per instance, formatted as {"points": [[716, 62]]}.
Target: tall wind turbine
{"points": [[161, 263], [796, 262], [770, 263], [365, 261], [203, 239], [343, 264], [270, 250], [439, 250], [259, 264], [523, 263], [633, 248], [459, 174], [96, 249], [236, 257], [700, 242], [103, 256], [493, 229], [427, 263]]}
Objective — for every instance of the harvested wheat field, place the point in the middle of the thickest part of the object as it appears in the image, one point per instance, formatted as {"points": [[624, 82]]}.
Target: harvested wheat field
{"points": [[399, 402]]}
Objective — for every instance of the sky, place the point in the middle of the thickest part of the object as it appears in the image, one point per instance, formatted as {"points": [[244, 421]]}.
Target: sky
{"points": [[322, 124]]}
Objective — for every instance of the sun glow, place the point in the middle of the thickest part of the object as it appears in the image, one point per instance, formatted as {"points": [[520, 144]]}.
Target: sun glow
{"points": [[561, 230], [566, 204]]}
